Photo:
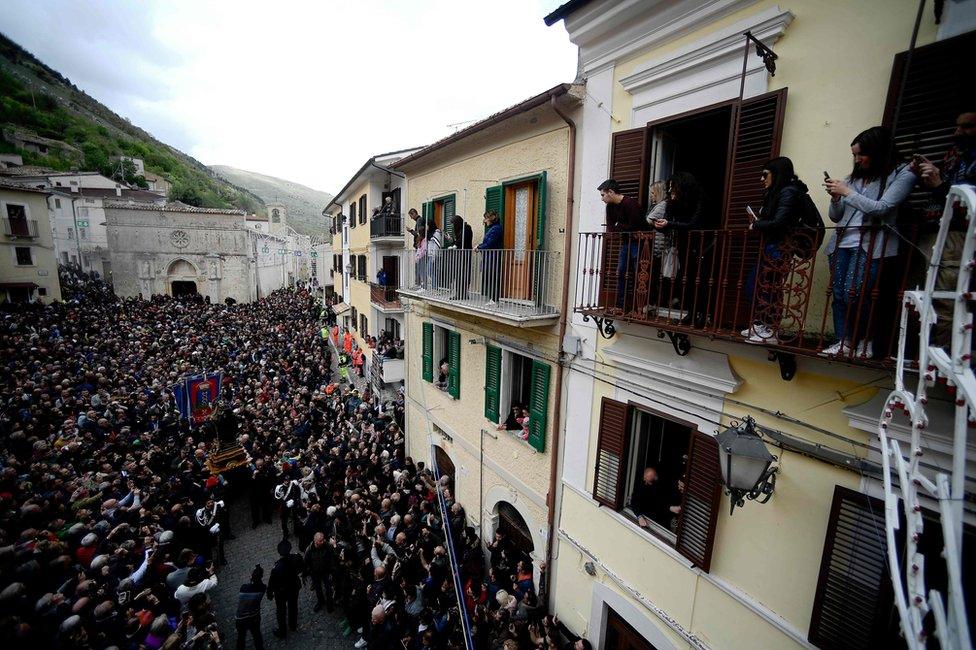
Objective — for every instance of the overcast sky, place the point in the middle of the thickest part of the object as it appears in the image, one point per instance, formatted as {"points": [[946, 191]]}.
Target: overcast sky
{"points": [[306, 91]]}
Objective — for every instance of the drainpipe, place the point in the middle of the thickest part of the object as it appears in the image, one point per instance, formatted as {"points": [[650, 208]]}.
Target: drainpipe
{"points": [[563, 309]]}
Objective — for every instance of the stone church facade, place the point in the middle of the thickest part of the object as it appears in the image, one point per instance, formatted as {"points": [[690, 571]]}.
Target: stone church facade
{"points": [[178, 249]]}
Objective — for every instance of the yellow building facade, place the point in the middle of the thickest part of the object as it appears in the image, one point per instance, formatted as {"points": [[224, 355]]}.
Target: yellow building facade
{"points": [[497, 354], [640, 395], [28, 264]]}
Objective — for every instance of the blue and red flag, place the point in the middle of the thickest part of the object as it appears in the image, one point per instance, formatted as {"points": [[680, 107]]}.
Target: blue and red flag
{"points": [[202, 394]]}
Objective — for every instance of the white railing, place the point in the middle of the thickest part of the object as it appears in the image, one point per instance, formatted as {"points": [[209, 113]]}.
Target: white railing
{"points": [[906, 482], [507, 282]]}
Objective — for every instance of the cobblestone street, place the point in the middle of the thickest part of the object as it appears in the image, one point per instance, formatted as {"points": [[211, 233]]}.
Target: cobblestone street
{"points": [[258, 546]]}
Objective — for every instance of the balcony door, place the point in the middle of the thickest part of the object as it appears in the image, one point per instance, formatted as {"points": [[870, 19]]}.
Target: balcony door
{"points": [[521, 208], [18, 220]]}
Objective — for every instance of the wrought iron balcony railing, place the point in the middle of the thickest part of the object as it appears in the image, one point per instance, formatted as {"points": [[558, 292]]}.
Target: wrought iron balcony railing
{"points": [[511, 285], [25, 228], [386, 226], [385, 296], [733, 284]]}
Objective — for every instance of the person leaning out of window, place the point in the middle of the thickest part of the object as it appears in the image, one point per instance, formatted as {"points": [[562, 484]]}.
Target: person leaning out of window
{"points": [[865, 207]]}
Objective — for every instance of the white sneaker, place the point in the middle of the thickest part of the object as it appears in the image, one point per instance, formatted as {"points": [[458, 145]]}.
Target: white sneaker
{"points": [[865, 350], [746, 333], [838, 348], [361, 643], [491, 303], [760, 333]]}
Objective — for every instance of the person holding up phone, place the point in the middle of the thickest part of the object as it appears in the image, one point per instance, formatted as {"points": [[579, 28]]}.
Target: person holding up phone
{"points": [[864, 206], [778, 218]]}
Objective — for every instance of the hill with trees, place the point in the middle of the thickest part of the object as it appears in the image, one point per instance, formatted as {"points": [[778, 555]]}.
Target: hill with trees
{"points": [[38, 99]]}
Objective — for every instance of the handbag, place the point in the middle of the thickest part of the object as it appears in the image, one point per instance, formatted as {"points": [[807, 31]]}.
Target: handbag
{"points": [[670, 263]]}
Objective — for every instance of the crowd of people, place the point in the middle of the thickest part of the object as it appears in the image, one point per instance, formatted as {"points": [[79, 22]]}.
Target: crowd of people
{"points": [[874, 227], [112, 526]]}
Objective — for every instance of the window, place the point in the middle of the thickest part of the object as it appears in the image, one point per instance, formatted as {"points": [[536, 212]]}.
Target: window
{"points": [[24, 257], [352, 215], [82, 233], [64, 257], [630, 441], [57, 203], [441, 210], [361, 267], [362, 209], [17, 220], [353, 317], [71, 233], [363, 325], [42, 291], [512, 380], [442, 346]]}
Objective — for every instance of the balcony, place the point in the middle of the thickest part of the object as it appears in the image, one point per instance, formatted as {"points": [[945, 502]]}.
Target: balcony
{"points": [[385, 371], [385, 297], [516, 287], [729, 280], [386, 227], [20, 228]]}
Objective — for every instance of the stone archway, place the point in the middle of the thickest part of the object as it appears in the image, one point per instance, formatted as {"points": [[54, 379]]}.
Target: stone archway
{"points": [[503, 503], [182, 278]]}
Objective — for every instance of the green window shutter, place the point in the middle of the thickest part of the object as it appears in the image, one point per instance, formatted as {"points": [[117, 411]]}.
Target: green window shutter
{"points": [[539, 405], [493, 199], [449, 210], [493, 378], [426, 212], [428, 356], [454, 362], [540, 218]]}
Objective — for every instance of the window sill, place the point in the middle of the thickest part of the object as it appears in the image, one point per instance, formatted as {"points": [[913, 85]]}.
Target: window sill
{"points": [[514, 435]]}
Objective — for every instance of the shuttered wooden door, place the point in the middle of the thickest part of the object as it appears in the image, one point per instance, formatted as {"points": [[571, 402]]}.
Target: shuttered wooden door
{"points": [[939, 87], [757, 130], [611, 448], [428, 352], [853, 605], [449, 210], [629, 167], [454, 363], [701, 501], [493, 374], [539, 405]]}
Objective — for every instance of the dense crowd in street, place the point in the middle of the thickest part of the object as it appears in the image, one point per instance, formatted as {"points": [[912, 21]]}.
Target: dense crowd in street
{"points": [[111, 525]]}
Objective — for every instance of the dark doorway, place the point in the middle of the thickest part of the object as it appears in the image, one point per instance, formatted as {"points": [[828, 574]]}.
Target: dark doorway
{"points": [[184, 288], [695, 144], [511, 522], [621, 636], [391, 266], [445, 466]]}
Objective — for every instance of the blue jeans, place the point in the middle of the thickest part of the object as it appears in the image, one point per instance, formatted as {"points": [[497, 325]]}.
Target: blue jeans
{"points": [[853, 275], [626, 270], [770, 293]]}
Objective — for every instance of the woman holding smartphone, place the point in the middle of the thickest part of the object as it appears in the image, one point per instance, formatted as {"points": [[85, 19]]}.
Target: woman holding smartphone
{"points": [[864, 206], [783, 199]]}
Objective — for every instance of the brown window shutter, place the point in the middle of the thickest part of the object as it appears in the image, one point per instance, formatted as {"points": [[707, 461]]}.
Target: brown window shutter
{"points": [[853, 605], [700, 504], [628, 162], [938, 88], [757, 130], [611, 447]]}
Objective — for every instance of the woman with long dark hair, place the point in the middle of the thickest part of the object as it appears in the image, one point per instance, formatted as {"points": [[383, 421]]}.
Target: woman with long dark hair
{"points": [[864, 206], [683, 213], [783, 196]]}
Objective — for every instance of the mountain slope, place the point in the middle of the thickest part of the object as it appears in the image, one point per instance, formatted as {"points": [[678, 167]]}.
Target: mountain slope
{"points": [[37, 98], [304, 205]]}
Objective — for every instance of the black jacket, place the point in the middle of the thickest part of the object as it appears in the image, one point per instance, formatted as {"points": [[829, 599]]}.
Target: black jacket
{"points": [[781, 215], [285, 576]]}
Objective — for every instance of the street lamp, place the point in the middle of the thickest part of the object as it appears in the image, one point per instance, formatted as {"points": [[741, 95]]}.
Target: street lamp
{"points": [[745, 464]]}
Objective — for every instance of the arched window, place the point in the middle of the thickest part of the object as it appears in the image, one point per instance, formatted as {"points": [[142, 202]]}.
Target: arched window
{"points": [[510, 521]]}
